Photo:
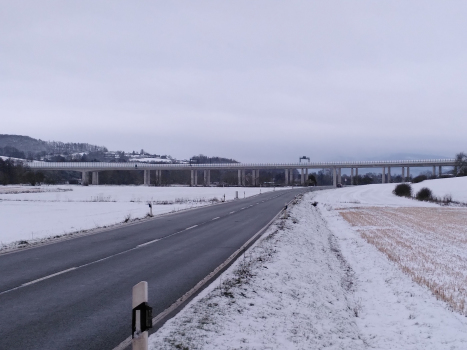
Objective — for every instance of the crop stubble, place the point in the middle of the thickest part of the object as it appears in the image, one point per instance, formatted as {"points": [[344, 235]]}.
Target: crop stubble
{"points": [[428, 244]]}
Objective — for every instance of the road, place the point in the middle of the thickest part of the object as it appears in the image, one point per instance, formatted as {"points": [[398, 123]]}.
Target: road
{"points": [[76, 294]]}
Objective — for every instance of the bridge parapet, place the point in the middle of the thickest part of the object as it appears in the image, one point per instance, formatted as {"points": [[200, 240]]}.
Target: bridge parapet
{"points": [[102, 166]]}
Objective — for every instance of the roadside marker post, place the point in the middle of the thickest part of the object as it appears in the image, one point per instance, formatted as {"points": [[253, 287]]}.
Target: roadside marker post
{"points": [[141, 317], [150, 208]]}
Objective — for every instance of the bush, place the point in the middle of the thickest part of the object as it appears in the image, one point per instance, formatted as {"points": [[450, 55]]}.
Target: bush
{"points": [[424, 194], [403, 190], [419, 178]]}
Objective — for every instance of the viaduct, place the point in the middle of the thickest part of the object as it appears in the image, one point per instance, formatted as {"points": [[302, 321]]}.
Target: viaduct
{"points": [[94, 167]]}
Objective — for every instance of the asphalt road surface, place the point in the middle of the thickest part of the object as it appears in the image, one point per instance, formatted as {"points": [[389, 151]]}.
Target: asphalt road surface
{"points": [[76, 294]]}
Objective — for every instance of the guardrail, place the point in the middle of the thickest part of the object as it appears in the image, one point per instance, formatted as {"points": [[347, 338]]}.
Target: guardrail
{"points": [[79, 166]]}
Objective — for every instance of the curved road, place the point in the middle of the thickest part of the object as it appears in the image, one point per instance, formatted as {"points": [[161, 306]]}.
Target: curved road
{"points": [[76, 294]]}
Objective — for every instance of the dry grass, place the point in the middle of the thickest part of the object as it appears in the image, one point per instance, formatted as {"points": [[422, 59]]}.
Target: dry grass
{"points": [[428, 244]]}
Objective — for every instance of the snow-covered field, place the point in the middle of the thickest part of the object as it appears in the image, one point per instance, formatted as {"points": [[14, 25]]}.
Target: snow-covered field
{"points": [[30, 213], [315, 280], [456, 187]]}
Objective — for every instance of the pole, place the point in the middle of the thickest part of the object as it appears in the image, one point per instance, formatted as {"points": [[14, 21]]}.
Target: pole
{"points": [[140, 295]]}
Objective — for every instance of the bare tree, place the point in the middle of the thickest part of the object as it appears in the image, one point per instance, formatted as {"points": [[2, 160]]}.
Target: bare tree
{"points": [[460, 167]]}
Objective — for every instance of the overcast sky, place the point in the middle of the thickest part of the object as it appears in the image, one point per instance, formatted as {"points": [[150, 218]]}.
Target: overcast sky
{"points": [[251, 80]]}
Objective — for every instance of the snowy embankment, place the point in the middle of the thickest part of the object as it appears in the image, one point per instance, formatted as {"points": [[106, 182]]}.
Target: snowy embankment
{"points": [[316, 281], [456, 187], [30, 213]]}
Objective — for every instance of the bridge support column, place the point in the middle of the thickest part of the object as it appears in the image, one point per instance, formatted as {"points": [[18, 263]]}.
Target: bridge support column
{"points": [[389, 174], [257, 178], [207, 177], [239, 174], [147, 177], [95, 178], [196, 178], [434, 172], [302, 177], [408, 173], [84, 178], [383, 175], [292, 177], [334, 177], [351, 176], [286, 177], [356, 176], [254, 177], [159, 177], [192, 178], [440, 171], [339, 176], [403, 174]]}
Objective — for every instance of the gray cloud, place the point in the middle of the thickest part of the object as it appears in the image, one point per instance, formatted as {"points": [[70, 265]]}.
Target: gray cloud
{"points": [[255, 81]]}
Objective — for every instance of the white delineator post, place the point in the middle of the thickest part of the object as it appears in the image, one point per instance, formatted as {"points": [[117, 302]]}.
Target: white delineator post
{"points": [[140, 295]]}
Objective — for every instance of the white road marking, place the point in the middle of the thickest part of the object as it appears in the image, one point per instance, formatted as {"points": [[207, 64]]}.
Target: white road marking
{"points": [[242, 208], [47, 277], [231, 212], [142, 245], [189, 228], [216, 218]]}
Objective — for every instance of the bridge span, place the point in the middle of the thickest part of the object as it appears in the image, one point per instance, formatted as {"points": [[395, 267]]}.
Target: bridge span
{"points": [[242, 168]]}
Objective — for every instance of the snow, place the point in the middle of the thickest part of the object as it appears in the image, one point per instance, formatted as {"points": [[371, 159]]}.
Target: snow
{"points": [[368, 195], [149, 160], [30, 213], [456, 187], [313, 282]]}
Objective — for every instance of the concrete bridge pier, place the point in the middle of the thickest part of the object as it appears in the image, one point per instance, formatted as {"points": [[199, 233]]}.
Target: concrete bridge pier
{"points": [[158, 177], [243, 177], [408, 173], [95, 178], [207, 177], [239, 172], [403, 174], [147, 177], [356, 176], [302, 178], [434, 171], [255, 177], [192, 178], [440, 171], [383, 175], [292, 176], [286, 177], [334, 177], [196, 178], [351, 176], [339, 176], [84, 178]]}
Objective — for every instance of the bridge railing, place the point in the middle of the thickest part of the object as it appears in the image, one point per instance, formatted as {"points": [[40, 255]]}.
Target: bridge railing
{"points": [[143, 166]]}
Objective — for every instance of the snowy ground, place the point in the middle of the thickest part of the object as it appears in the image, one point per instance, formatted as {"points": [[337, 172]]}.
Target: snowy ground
{"points": [[313, 282], [31, 214], [456, 187]]}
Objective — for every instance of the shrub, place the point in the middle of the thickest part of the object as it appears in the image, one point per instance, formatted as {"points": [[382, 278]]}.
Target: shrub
{"points": [[424, 194], [403, 190], [447, 199], [419, 178]]}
